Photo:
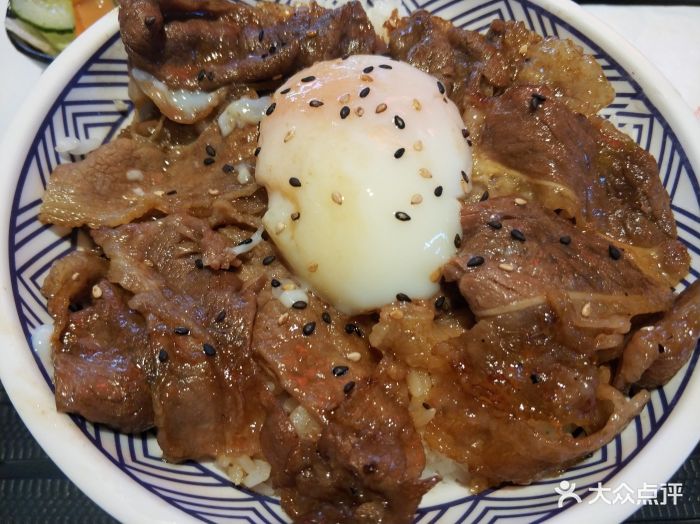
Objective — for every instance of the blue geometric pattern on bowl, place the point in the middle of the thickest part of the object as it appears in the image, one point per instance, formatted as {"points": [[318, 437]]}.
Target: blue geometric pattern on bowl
{"points": [[86, 109]]}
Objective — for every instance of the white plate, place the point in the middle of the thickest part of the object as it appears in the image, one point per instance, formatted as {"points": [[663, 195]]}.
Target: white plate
{"points": [[125, 475]]}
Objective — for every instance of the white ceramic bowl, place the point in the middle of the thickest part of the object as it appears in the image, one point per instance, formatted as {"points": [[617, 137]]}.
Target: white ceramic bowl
{"points": [[124, 474]]}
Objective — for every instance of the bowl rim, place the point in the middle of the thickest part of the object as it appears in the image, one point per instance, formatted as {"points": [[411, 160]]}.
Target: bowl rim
{"points": [[125, 499]]}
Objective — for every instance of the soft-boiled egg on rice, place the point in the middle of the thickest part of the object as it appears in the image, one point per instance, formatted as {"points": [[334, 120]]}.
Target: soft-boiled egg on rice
{"points": [[364, 160]]}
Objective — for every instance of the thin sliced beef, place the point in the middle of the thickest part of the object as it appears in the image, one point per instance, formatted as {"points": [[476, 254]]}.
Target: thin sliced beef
{"points": [[313, 368], [364, 468], [206, 386], [205, 45], [132, 176], [531, 256], [471, 64], [505, 398], [584, 167], [97, 339], [656, 352]]}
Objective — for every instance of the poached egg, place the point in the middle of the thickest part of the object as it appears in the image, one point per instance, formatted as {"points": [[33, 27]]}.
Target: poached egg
{"points": [[364, 161]]}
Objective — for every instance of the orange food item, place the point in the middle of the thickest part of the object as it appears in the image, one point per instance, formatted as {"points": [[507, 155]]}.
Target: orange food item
{"points": [[87, 12]]}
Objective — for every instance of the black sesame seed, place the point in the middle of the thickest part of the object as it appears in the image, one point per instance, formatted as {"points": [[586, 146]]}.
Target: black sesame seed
{"points": [[465, 177], [438, 191], [201, 75], [326, 317], [566, 240], [441, 87], [350, 328], [228, 168], [364, 92], [368, 69], [261, 35], [273, 49], [263, 56], [614, 252], [295, 215], [484, 197], [339, 371], [74, 308], [299, 304], [458, 241], [536, 101], [171, 192], [403, 297], [475, 261], [495, 224], [162, 355], [344, 112], [309, 328], [315, 103], [385, 66], [347, 388], [257, 151], [271, 109], [294, 182], [210, 150], [535, 379], [469, 143], [198, 263], [399, 152], [308, 79], [208, 349], [403, 217], [245, 242], [517, 235], [465, 132], [426, 405], [208, 161], [269, 259], [369, 468], [181, 331], [275, 283], [578, 432], [285, 91], [221, 316], [149, 21], [398, 122], [440, 302], [661, 348]]}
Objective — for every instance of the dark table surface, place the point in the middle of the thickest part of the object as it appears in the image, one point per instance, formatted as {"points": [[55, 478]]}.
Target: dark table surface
{"points": [[33, 489]]}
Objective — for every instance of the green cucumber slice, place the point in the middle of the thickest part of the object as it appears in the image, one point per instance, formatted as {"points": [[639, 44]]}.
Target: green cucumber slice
{"points": [[49, 15]]}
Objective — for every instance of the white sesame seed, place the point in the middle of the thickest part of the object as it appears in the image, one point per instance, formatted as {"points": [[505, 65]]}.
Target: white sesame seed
{"points": [[416, 104], [359, 111], [435, 275], [425, 173], [418, 146], [586, 310], [344, 98], [396, 314], [520, 201], [289, 135], [380, 108], [148, 263], [289, 286], [280, 227], [120, 105], [313, 267], [647, 328], [282, 318], [354, 356], [366, 78], [134, 175], [96, 291], [337, 198], [138, 191], [506, 267], [416, 199], [75, 276], [213, 192], [159, 193]]}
